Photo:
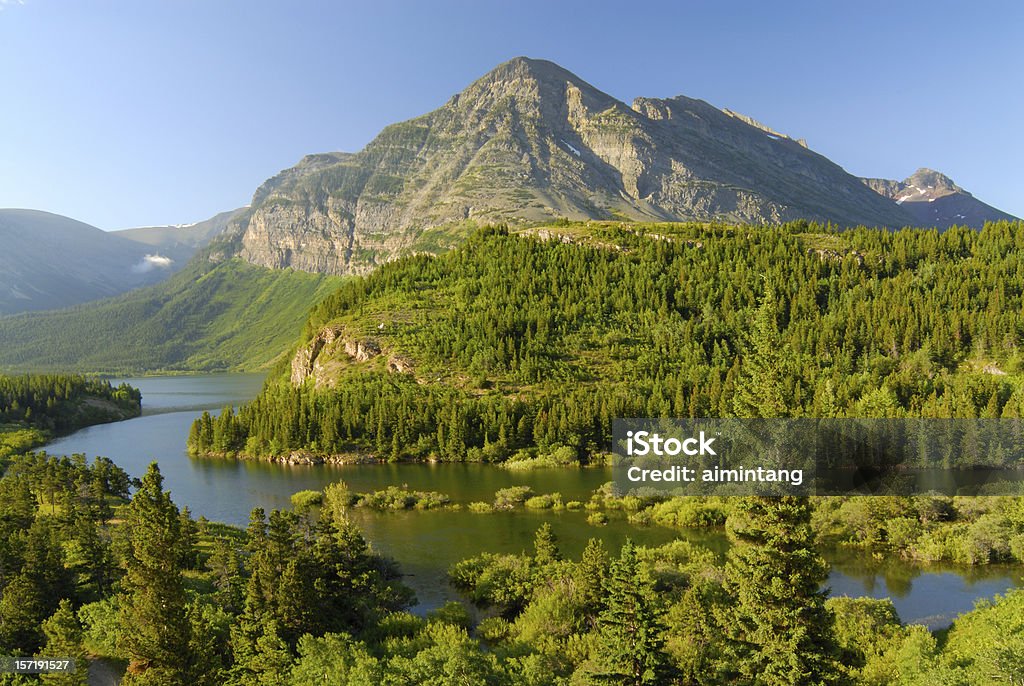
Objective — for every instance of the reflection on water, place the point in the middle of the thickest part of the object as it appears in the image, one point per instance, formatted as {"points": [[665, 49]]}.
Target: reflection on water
{"points": [[427, 543], [932, 596]]}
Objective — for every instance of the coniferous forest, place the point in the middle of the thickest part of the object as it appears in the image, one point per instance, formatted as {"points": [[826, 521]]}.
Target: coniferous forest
{"points": [[513, 344], [519, 350], [35, 407]]}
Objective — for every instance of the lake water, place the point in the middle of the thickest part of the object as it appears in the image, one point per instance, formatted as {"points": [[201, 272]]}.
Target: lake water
{"points": [[427, 543]]}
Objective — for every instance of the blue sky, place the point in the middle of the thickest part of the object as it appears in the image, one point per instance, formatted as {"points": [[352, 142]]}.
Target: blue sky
{"points": [[136, 113]]}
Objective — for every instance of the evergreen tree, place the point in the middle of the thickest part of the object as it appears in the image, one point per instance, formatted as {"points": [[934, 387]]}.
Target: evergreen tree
{"points": [[22, 608], [261, 656], [590, 576], [226, 567], [154, 613], [630, 639], [188, 540], [781, 632], [545, 545], [761, 391], [64, 640]]}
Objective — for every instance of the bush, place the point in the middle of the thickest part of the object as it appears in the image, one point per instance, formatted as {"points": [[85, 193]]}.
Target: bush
{"points": [[395, 498], [689, 513], [336, 499], [508, 498], [101, 628], [304, 500], [494, 629], [546, 501], [641, 518], [453, 613]]}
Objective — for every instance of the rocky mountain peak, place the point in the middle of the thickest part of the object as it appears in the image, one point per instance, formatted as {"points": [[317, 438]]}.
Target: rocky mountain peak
{"points": [[531, 87], [932, 181], [933, 199], [529, 142], [519, 68]]}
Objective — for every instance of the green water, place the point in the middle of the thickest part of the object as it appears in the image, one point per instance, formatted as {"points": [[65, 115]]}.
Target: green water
{"points": [[426, 544]]}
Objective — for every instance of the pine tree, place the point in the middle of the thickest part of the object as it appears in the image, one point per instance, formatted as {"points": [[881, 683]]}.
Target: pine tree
{"points": [[761, 390], [261, 656], [22, 608], [154, 620], [590, 578], [64, 640], [188, 540], [545, 545], [781, 632], [631, 643], [226, 567]]}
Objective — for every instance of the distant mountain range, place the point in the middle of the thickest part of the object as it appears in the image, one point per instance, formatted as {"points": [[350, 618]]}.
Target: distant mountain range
{"points": [[180, 242], [934, 200], [530, 141], [49, 261]]}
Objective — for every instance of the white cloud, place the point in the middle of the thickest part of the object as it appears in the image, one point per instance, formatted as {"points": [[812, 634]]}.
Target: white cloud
{"points": [[150, 262]]}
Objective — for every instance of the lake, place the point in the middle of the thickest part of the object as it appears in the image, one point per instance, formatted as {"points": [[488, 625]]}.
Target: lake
{"points": [[426, 543]]}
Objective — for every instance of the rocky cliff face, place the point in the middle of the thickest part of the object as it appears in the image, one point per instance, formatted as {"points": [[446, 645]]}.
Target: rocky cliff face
{"points": [[934, 200], [333, 347], [531, 141]]}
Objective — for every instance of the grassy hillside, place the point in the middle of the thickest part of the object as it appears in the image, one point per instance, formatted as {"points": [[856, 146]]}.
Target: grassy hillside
{"points": [[207, 317]]}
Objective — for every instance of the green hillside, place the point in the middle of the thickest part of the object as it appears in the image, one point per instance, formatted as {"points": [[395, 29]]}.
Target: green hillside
{"points": [[517, 343], [209, 316]]}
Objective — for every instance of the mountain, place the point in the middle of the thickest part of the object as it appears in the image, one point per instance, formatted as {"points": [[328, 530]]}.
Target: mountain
{"points": [[934, 200], [180, 242], [49, 261], [209, 316], [530, 142]]}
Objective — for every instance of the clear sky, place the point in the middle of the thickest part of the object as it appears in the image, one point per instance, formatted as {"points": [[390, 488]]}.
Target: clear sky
{"points": [[137, 113]]}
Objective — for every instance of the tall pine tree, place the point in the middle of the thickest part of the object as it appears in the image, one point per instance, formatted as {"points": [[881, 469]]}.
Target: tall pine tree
{"points": [[156, 631], [631, 633], [781, 633], [762, 389]]}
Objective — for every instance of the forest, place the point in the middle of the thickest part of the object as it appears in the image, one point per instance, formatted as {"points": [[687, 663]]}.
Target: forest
{"points": [[36, 407], [520, 350], [515, 347]]}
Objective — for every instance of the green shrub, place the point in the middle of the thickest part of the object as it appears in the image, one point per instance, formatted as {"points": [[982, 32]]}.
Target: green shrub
{"points": [[304, 500], [508, 498]]}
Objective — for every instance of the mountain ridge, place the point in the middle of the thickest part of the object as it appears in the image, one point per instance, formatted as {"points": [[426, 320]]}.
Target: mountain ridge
{"points": [[180, 242], [530, 141], [49, 260]]}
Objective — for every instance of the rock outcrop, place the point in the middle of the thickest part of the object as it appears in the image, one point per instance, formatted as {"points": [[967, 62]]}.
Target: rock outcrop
{"points": [[331, 347]]}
